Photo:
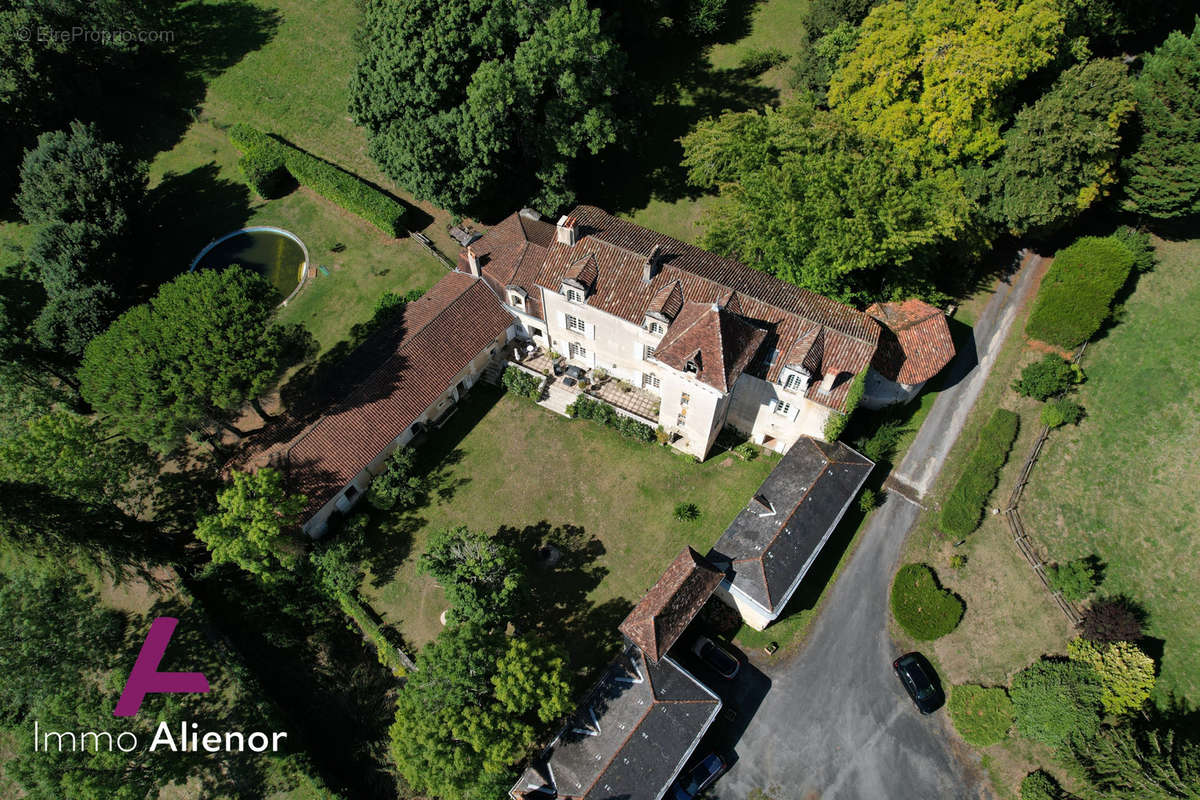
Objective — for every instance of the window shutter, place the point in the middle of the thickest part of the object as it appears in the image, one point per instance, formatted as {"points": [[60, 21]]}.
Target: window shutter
{"points": [[795, 411], [638, 351], [771, 405], [639, 380], [562, 319], [591, 330]]}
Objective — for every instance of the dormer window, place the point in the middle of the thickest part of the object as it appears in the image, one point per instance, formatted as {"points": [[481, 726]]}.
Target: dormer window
{"points": [[795, 380], [694, 364], [515, 299], [656, 327], [573, 295]]}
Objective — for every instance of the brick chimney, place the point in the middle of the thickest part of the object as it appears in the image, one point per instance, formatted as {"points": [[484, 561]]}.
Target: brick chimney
{"points": [[652, 263], [472, 262], [568, 230]]}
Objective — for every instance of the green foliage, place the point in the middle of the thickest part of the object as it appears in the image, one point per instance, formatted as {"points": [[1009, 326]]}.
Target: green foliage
{"points": [[1142, 760], [470, 104], [869, 500], [483, 578], [706, 17], [1059, 412], [825, 15], [1164, 169], [809, 199], [958, 561], [387, 653], [1053, 700], [747, 451], [253, 524], [982, 716], [1040, 785], [686, 512], [1139, 245], [1126, 673], [963, 508], [881, 444], [921, 606], [522, 384], [398, 485], [336, 556], [1060, 154], [1077, 292], [586, 408], [531, 678], [265, 156], [202, 346], [1044, 379], [934, 77], [73, 317], [835, 423], [757, 61], [817, 63], [1075, 579]]}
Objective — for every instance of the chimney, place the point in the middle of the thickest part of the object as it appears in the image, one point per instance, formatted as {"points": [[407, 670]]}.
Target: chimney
{"points": [[472, 262], [650, 267], [827, 382], [568, 230]]}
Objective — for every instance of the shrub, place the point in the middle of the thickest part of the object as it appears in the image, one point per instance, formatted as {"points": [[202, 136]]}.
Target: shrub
{"points": [[982, 716], [836, 423], [265, 172], [586, 408], [1139, 245], [1077, 293], [1044, 379], [921, 606], [1053, 699], [1040, 785], [747, 451], [687, 512], [882, 443], [1126, 673], [757, 61], [963, 509], [868, 501], [958, 561], [1113, 619], [398, 485], [521, 383], [1075, 579], [1059, 412], [662, 435]]}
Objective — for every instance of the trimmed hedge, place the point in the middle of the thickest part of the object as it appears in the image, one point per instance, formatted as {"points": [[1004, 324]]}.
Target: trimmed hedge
{"points": [[261, 151], [982, 716], [921, 606], [265, 172], [389, 656], [522, 383], [586, 408], [963, 509], [835, 423], [1077, 293]]}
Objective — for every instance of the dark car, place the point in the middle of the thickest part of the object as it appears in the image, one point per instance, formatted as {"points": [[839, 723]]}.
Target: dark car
{"points": [[698, 778], [716, 657], [920, 681]]}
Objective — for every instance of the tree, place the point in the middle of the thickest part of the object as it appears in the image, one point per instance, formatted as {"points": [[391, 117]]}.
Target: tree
{"points": [[398, 484], [1112, 619], [1043, 379], [253, 525], [73, 317], [1076, 579], [466, 102], [1059, 411], [205, 344], [807, 198], [1138, 760], [1053, 700], [1126, 673], [1164, 170], [483, 577], [1077, 293], [1040, 785], [1060, 155], [531, 679], [935, 77]]}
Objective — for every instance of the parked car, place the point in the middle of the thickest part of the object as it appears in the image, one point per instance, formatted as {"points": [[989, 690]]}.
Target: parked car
{"points": [[699, 777], [920, 681], [716, 657]]}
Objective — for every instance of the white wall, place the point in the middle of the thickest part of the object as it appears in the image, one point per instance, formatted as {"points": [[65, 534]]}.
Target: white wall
{"points": [[878, 391], [751, 412]]}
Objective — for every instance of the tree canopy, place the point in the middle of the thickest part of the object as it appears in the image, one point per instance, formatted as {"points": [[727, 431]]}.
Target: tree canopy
{"points": [[482, 577], [253, 526]]}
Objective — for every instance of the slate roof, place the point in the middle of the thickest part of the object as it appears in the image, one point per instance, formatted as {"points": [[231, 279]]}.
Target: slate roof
{"points": [[773, 541], [916, 342], [431, 341], [671, 604], [722, 344], [628, 739]]}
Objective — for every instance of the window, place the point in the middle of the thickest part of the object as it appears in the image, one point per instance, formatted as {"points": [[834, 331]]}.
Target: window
{"points": [[515, 300], [649, 352], [657, 328], [536, 332], [350, 493], [793, 383], [576, 350], [680, 420], [576, 324], [574, 295], [771, 360], [649, 379], [684, 399], [783, 409]]}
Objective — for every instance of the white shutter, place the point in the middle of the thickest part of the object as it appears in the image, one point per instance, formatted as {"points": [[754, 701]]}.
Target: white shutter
{"points": [[562, 319], [771, 405], [592, 356], [638, 379], [591, 333], [795, 410], [639, 351]]}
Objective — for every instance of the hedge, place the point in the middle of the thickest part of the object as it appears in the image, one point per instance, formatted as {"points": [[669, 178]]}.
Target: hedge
{"points": [[521, 383], [1077, 293], [921, 606], [389, 656], [586, 408], [331, 182], [963, 509], [265, 172], [835, 423], [982, 716]]}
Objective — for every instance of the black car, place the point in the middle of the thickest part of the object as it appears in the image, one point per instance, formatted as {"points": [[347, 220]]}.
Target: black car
{"points": [[920, 681], [716, 657], [698, 778]]}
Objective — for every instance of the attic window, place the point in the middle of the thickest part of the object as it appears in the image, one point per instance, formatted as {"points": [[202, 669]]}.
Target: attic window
{"points": [[694, 364], [515, 299], [574, 295], [657, 328]]}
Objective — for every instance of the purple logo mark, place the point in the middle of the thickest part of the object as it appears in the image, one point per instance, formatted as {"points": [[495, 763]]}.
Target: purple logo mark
{"points": [[145, 678]]}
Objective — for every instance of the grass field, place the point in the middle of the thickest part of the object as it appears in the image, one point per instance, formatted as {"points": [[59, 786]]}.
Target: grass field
{"points": [[506, 462]]}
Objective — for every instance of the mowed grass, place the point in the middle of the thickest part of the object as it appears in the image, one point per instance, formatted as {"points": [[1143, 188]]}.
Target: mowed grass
{"points": [[1123, 484], [516, 464]]}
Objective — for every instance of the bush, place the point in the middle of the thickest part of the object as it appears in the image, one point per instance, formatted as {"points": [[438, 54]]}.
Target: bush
{"points": [[1113, 619], [836, 423], [1059, 412], [963, 509], [1040, 785], [586, 408], [398, 485], [521, 383], [921, 606], [981, 716], [868, 501], [1075, 579], [1044, 379], [882, 443], [758, 61], [687, 512], [747, 451], [265, 172], [1077, 293], [1140, 247], [1053, 699], [958, 561], [1126, 673]]}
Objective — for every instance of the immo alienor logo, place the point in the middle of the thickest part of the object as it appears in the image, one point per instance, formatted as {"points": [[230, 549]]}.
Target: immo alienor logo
{"points": [[145, 678]]}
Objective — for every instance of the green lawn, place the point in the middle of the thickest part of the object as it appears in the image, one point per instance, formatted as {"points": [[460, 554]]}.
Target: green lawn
{"points": [[507, 462], [1123, 484]]}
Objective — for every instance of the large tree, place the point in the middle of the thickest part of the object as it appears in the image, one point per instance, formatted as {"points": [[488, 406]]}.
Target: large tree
{"points": [[205, 344], [1154, 759], [1061, 153], [468, 104], [1164, 169], [810, 199], [483, 577], [254, 524]]}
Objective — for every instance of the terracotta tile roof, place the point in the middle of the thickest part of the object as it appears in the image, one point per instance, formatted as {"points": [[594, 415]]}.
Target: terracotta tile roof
{"points": [[668, 301], [435, 338], [916, 343], [673, 601], [718, 343], [511, 253], [583, 271]]}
